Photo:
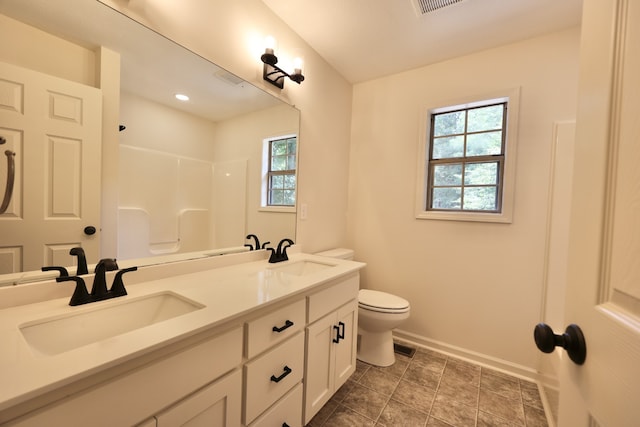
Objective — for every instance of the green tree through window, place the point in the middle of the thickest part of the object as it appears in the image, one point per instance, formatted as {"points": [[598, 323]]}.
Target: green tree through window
{"points": [[282, 172], [466, 159]]}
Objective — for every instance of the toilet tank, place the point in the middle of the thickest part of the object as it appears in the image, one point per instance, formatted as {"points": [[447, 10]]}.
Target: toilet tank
{"points": [[341, 253]]}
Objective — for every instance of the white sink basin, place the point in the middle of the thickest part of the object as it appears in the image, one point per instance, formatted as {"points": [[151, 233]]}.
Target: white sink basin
{"points": [[301, 268], [66, 332]]}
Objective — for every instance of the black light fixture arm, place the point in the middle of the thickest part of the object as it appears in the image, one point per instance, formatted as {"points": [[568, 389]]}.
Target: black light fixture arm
{"points": [[274, 74]]}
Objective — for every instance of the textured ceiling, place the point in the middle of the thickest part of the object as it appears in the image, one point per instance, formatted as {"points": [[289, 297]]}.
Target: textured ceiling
{"points": [[366, 39]]}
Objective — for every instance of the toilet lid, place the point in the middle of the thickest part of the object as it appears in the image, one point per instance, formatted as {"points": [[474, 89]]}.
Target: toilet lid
{"points": [[381, 301]]}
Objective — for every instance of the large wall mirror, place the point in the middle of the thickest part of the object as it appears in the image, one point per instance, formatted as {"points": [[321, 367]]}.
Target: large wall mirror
{"points": [[189, 175]]}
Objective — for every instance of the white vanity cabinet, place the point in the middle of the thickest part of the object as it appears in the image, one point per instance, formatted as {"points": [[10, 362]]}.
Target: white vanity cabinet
{"points": [[331, 342], [269, 364]]}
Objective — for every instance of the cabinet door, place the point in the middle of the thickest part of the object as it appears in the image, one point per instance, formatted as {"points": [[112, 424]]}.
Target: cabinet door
{"points": [[215, 405], [345, 350], [319, 378]]}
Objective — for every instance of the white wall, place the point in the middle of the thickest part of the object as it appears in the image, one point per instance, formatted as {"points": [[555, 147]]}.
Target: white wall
{"points": [[472, 286], [32, 48], [231, 34], [241, 138]]}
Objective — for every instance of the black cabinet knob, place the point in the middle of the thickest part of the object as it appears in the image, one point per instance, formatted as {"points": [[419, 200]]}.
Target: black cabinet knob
{"points": [[572, 340], [90, 230]]}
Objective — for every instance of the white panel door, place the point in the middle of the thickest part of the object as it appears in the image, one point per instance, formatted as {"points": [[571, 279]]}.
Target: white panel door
{"points": [[603, 287], [54, 127]]}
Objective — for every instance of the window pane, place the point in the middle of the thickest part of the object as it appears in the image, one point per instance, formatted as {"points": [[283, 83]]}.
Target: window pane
{"points": [[480, 174], [289, 197], [289, 181], [448, 123], [485, 118], [483, 144], [278, 148], [447, 174], [291, 146], [277, 197], [291, 162], [448, 147], [277, 181], [278, 163], [446, 198], [480, 198]]}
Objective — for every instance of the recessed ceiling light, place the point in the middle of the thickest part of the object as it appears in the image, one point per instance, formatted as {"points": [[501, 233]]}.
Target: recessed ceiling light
{"points": [[182, 97]]}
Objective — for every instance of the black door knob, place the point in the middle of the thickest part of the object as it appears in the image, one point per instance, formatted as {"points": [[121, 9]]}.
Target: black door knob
{"points": [[90, 230], [572, 340]]}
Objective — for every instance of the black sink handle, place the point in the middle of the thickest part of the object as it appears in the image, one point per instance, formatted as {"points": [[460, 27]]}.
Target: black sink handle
{"points": [[63, 271]]}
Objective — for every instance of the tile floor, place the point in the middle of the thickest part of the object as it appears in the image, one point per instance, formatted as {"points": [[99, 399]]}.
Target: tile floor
{"points": [[434, 390]]}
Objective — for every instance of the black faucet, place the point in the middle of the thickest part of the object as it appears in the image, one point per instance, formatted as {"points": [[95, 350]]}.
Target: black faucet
{"points": [[257, 243], [280, 254], [82, 260], [99, 290], [82, 264]]}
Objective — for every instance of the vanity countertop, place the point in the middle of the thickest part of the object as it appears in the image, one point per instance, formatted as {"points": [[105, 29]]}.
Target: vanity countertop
{"points": [[227, 293]]}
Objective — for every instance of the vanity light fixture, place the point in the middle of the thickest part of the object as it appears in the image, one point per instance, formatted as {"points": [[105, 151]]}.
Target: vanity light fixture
{"points": [[274, 74]]}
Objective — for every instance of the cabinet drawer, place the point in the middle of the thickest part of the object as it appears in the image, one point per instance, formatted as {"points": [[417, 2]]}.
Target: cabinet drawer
{"points": [[288, 410], [271, 375], [274, 327], [333, 297], [217, 404]]}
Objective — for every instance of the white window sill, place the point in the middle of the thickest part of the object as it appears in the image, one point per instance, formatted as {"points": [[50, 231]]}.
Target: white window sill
{"points": [[465, 216], [279, 209]]}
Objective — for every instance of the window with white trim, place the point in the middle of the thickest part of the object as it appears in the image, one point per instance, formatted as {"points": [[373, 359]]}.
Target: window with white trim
{"points": [[470, 158], [280, 164]]}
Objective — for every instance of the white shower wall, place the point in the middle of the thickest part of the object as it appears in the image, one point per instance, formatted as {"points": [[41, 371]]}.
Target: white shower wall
{"points": [[172, 195]]}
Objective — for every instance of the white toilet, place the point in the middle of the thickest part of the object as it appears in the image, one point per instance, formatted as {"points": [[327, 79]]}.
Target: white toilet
{"points": [[378, 314]]}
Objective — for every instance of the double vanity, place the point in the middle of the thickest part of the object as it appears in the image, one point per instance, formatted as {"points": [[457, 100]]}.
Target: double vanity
{"points": [[222, 341]]}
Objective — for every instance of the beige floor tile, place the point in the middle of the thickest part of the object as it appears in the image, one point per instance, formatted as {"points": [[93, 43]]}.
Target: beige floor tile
{"points": [[401, 415], [414, 395], [345, 417], [502, 407], [379, 381], [365, 401], [500, 384], [455, 413]]}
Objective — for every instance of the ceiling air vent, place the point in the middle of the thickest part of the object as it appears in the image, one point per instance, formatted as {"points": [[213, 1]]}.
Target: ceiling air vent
{"points": [[426, 6]]}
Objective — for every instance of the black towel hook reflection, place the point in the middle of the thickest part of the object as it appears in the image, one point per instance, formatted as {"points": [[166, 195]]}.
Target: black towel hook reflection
{"points": [[11, 173]]}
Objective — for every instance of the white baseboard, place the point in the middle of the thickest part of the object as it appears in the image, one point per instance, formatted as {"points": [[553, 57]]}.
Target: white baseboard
{"points": [[470, 356]]}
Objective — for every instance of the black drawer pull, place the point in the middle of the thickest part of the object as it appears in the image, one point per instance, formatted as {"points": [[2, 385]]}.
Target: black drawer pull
{"points": [[339, 335], [285, 425], [287, 324], [287, 371]]}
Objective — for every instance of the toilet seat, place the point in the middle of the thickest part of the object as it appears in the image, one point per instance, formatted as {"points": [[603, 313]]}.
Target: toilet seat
{"points": [[381, 302]]}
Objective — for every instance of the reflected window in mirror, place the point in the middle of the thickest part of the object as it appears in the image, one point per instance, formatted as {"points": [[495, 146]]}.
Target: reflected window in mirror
{"points": [[280, 165]]}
